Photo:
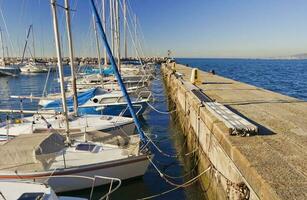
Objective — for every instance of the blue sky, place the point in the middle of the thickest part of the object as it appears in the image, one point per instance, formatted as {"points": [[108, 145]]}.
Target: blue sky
{"points": [[190, 28]]}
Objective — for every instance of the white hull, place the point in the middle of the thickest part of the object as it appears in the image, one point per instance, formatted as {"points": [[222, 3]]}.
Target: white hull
{"points": [[90, 123], [29, 68], [123, 169]]}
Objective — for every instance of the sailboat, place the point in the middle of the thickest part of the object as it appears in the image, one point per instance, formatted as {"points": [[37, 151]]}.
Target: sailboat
{"points": [[46, 159], [100, 101], [33, 66], [80, 126], [30, 190], [5, 68], [49, 157]]}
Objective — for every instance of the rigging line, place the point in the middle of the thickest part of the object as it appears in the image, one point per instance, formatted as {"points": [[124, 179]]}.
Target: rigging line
{"points": [[140, 38], [130, 10], [143, 37], [132, 21], [41, 31], [46, 82], [6, 29], [131, 36]]}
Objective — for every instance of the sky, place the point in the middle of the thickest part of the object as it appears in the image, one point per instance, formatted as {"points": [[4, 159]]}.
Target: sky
{"points": [[189, 28]]}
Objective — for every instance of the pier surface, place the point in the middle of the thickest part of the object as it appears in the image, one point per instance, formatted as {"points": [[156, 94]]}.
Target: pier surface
{"points": [[273, 162]]}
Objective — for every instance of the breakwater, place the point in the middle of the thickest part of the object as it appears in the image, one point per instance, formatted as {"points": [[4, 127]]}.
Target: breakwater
{"points": [[262, 159]]}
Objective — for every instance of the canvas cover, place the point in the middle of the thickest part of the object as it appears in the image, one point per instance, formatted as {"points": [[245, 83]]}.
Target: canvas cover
{"points": [[31, 152], [82, 98]]}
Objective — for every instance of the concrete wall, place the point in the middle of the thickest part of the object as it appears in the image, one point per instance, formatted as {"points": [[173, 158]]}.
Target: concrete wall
{"points": [[206, 133]]}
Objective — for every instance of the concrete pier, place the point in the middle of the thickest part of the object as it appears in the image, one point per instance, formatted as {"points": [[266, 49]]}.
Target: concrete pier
{"points": [[269, 164]]}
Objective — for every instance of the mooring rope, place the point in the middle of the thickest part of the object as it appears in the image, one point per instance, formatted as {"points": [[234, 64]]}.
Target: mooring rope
{"points": [[177, 186], [185, 174], [166, 154], [161, 112]]}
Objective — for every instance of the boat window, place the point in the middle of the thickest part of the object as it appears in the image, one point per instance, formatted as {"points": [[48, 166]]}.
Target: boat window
{"points": [[108, 100], [31, 196], [85, 147]]}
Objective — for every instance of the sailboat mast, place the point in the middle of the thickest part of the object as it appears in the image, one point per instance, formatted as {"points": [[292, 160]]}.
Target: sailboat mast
{"points": [[7, 52], [104, 26], [60, 66], [111, 24], [125, 28], [71, 55], [97, 45], [117, 34], [2, 45], [135, 34], [118, 77], [26, 43], [33, 43]]}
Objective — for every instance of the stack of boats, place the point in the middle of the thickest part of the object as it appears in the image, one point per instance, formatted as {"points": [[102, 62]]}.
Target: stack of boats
{"points": [[86, 130]]}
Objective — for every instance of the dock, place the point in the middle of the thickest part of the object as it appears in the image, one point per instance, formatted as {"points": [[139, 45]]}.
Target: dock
{"points": [[266, 160]]}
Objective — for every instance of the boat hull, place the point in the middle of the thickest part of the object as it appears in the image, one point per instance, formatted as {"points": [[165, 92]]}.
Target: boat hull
{"points": [[9, 70], [33, 69], [83, 125], [123, 169], [115, 109]]}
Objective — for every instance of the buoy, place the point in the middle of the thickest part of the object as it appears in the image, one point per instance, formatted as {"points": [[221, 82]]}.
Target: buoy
{"points": [[18, 121], [194, 76]]}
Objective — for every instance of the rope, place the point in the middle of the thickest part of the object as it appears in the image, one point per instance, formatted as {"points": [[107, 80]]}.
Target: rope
{"points": [[160, 194], [177, 186], [161, 112], [185, 174], [165, 154]]}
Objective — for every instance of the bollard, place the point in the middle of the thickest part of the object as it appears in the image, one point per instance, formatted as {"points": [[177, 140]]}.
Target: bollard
{"points": [[194, 76], [174, 66]]}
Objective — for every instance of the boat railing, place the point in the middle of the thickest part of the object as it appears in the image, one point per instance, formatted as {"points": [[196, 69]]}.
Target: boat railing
{"points": [[135, 105], [142, 94], [94, 180]]}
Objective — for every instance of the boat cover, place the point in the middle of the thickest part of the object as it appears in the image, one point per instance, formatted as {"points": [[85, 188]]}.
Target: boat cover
{"points": [[31, 152], [82, 98], [106, 71]]}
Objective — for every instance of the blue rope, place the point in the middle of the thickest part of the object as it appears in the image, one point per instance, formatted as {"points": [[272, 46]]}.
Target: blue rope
{"points": [[119, 79]]}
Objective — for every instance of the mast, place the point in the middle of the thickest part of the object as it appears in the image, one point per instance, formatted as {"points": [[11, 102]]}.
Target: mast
{"points": [[118, 77], [71, 55], [125, 28], [117, 34], [111, 24], [60, 66], [25, 47], [2, 45], [7, 52], [135, 33], [104, 26], [33, 43], [97, 44]]}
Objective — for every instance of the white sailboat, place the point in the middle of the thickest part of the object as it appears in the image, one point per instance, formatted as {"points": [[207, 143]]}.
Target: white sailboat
{"points": [[29, 190], [80, 126], [5, 68], [33, 66], [46, 159], [50, 157]]}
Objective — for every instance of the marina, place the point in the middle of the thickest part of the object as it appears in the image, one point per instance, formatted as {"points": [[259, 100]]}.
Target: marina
{"points": [[87, 113]]}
